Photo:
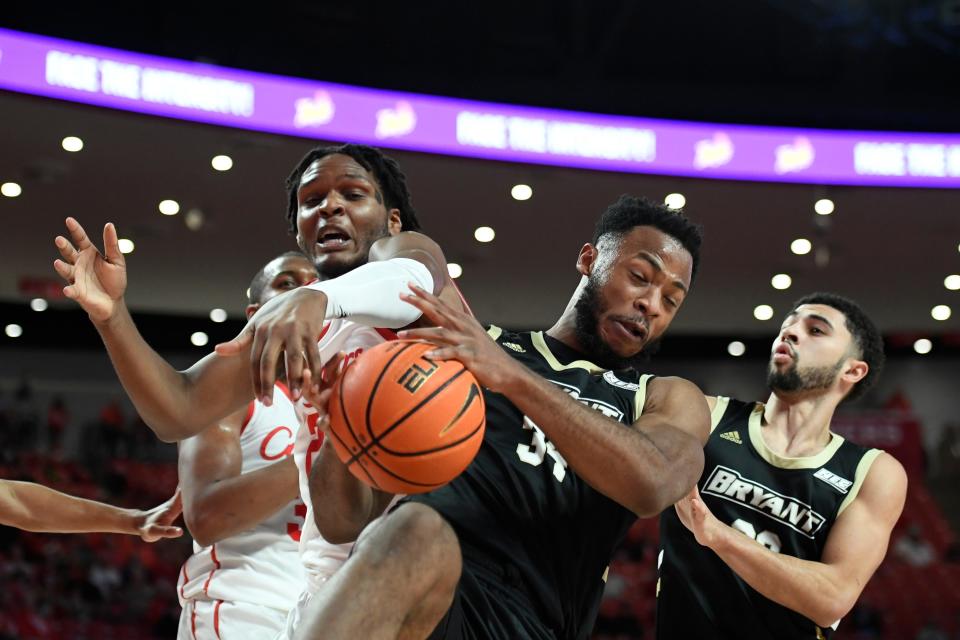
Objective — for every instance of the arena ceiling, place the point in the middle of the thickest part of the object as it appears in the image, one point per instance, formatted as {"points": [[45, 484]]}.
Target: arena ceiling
{"points": [[889, 248], [807, 63]]}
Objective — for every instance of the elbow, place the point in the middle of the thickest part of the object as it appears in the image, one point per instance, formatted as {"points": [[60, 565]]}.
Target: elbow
{"points": [[833, 610], [202, 527], [174, 430], [674, 479], [336, 532], [166, 437]]}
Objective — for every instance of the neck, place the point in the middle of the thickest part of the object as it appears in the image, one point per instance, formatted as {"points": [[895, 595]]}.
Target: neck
{"points": [[798, 427], [565, 328]]}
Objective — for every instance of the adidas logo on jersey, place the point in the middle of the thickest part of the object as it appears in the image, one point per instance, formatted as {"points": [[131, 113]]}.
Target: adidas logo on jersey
{"points": [[610, 378], [729, 485], [514, 347], [840, 484], [732, 436]]}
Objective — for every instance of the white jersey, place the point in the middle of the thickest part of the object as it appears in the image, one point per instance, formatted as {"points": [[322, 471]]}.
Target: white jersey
{"points": [[261, 565], [321, 558]]}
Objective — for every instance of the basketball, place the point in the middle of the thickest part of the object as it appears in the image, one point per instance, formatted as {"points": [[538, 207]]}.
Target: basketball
{"points": [[403, 423]]}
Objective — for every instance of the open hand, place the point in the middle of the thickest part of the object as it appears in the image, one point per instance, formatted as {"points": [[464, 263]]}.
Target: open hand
{"points": [[157, 523], [95, 280], [697, 517]]}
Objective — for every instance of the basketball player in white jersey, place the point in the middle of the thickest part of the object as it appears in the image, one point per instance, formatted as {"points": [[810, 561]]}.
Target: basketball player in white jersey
{"points": [[352, 214], [241, 504], [341, 342], [351, 211]]}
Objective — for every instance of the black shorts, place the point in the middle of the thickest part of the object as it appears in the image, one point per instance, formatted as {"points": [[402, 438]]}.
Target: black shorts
{"points": [[490, 603]]}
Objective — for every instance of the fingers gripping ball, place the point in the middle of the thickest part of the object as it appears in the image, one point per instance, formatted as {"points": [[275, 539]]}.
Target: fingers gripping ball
{"points": [[403, 423]]}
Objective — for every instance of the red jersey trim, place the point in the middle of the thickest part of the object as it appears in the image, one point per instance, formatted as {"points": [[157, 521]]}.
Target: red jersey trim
{"points": [[323, 332], [463, 300], [386, 334], [285, 389], [216, 618], [246, 419], [216, 567], [186, 578]]}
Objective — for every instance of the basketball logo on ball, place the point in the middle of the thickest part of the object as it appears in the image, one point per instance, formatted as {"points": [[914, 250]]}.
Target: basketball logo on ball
{"points": [[403, 423]]}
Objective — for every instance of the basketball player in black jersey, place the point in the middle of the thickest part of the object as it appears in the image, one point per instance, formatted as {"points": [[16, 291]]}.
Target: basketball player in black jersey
{"points": [[790, 520], [578, 444]]}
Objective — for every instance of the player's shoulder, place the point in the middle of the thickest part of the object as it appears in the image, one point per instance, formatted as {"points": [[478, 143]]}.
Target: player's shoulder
{"points": [[520, 342], [884, 472], [879, 486], [668, 390], [727, 411]]}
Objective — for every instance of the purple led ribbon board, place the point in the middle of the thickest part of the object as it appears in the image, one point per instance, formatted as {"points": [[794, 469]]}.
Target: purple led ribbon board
{"points": [[204, 93]]}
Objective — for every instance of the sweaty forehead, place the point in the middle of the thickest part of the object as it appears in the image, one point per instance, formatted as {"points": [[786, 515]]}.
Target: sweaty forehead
{"points": [[335, 165], [672, 255]]}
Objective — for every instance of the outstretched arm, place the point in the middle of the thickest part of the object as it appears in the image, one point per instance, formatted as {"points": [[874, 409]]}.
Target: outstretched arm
{"points": [[175, 404], [33, 507], [823, 591]]}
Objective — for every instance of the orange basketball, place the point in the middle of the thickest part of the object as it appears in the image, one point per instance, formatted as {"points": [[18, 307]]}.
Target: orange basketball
{"points": [[403, 423]]}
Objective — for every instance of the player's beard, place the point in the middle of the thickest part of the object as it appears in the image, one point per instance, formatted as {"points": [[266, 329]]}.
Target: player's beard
{"points": [[589, 307], [797, 379]]}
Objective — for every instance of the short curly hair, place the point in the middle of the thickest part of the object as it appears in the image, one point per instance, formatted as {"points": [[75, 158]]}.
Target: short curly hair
{"points": [[866, 336], [384, 169], [632, 211]]}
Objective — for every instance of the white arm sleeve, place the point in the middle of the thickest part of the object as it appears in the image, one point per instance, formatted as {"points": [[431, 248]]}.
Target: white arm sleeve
{"points": [[370, 294]]}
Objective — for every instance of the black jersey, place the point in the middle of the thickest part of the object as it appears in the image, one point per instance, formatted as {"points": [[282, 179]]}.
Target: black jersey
{"points": [[787, 504], [518, 503]]}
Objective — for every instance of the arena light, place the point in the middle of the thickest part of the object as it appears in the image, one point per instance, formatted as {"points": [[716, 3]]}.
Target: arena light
{"points": [[521, 192], [763, 312], [10, 189], [801, 246], [194, 219], [675, 201], [222, 163], [484, 234], [922, 346], [941, 312], [781, 281], [454, 269], [736, 348], [38, 304], [952, 282], [824, 206], [199, 339], [218, 315], [169, 207], [13, 330], [126, 245], [71, 144]]}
